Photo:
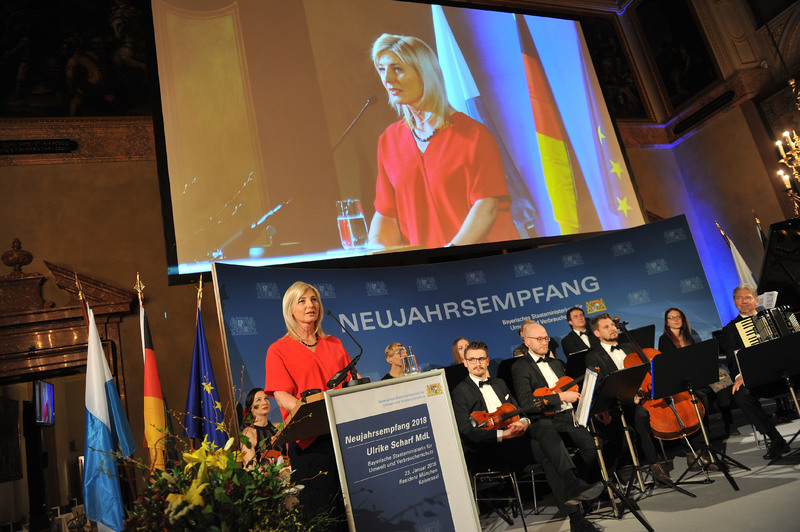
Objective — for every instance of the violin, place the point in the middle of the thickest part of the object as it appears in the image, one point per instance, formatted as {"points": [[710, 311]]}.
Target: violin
{"points": [[672, 417], [564, 384], [500, 419]]}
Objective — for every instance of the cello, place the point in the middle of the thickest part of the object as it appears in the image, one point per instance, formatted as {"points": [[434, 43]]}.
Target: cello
{"points": [[672, 417]]}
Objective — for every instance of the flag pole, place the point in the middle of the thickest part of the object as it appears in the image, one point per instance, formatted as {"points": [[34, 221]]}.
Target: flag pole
{"points": [[200, 292], [728, 242], [139, 287], [761, 234], [82, 299]]}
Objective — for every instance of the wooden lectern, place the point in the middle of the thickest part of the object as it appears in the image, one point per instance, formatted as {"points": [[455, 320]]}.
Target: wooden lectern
{"points": [[309, 419]]}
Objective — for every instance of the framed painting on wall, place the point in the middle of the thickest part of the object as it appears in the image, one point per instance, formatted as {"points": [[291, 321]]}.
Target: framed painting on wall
{"points": [[622, 86], [675, 46]]}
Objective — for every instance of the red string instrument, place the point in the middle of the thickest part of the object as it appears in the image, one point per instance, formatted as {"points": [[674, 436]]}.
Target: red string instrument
{"points": [[670, 418], [564, 384], [500, 419]]}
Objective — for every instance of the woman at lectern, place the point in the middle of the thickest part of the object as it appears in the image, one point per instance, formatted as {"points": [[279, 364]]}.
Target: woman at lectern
{"points": [[440, 174], [305, 359]]}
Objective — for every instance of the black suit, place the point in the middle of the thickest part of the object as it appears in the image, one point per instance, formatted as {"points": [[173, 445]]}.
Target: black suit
{"points": [[729, 343], [572, 343], [636, 415], [480, 444], [528, 378]]}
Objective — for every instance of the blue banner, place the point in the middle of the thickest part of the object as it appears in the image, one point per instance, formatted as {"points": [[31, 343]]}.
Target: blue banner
{"points": [[635, 274]]}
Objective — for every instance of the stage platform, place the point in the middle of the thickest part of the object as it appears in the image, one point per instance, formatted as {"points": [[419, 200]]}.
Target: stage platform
{"points": [[767, 500]]}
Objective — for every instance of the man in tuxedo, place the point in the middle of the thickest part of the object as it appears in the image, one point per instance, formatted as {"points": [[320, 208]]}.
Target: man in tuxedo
{"points": [[609, 357], [579, 337], [746, 299], [535, 370], [481, 393]]}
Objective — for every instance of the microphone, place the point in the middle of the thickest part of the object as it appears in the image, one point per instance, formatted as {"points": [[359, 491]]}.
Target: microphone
{"points": [[347, 129], [341, 375], [245, 236]]}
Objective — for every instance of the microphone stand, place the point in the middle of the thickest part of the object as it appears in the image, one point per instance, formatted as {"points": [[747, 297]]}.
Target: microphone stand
{"points": [[350, 368], [347, 130]]}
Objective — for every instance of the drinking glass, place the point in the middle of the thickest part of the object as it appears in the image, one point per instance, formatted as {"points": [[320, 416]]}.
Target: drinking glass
{"points": [[409, 362], [352, 225]]}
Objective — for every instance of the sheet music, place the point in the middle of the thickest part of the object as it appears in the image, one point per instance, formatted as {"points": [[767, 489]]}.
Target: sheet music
{"points": [[768, 299], [587, 393]]}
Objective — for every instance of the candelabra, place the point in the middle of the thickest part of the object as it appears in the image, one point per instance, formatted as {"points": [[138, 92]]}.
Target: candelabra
{"points": [[790, 157]]}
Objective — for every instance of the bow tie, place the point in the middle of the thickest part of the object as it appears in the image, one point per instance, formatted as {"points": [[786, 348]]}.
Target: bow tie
{"points": [[486, 382], [583, 333], [541, 360], [613, 347]]}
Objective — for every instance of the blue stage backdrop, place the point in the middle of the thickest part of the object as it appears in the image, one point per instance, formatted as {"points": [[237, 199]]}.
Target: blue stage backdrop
{"points": [[635, 274]]}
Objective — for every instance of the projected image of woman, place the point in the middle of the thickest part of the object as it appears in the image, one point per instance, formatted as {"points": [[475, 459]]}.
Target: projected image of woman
{"points": [[440, 175]]}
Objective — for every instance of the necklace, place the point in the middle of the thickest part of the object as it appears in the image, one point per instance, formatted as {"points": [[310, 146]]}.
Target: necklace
{"points": [[426, 139], [316, 337]]}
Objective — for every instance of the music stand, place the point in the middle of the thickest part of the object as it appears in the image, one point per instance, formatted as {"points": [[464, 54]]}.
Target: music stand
{"points": [[683, 370], [771, 362], [645, 336], [576, 363], [616, 389]]}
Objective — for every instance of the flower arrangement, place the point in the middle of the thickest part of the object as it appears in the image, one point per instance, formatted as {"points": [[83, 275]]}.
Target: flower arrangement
{"points": [[209, 488]]}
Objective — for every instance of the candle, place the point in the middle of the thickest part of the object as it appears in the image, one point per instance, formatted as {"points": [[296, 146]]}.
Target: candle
{"points": [[779, 144], [785, 178], [789, 139]]}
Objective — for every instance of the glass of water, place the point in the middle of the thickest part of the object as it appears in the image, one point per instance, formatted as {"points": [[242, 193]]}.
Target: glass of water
{"points": [[409, 361], [352, 225]]}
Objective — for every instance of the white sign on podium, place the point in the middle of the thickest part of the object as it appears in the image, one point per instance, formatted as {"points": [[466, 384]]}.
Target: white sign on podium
{"points": [[399, 456]]}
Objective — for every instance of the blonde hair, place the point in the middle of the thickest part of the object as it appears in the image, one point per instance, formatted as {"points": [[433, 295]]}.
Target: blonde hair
{"points": [[290, 299], [392, 349], [416, 53]]}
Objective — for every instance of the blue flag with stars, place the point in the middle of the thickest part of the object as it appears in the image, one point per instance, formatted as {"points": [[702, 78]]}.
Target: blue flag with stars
{"points": [[204, 416]]}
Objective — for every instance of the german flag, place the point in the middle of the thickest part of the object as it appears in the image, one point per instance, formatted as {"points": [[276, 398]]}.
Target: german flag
{"points": [[157, 430], [551, 135]]}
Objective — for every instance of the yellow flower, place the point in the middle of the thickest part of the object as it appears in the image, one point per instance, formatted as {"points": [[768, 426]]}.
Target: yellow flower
{"points": [[192, 497]]}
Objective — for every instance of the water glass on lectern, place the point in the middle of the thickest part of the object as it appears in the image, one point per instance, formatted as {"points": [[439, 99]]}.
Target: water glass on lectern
{"points": [[409, 362], [352, 224]]}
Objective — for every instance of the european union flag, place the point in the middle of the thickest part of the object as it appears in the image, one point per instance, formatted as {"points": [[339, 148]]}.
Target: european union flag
{"points": [[204, 416]]}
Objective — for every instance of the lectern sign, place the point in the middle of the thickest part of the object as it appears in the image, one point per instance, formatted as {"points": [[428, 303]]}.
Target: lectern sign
{"points": [[399, 455]]}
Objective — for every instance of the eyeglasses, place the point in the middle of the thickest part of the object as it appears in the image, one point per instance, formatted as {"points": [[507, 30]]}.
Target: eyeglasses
{"points": [[743, 298], [477, 360], [673, 317], [539, 338]]}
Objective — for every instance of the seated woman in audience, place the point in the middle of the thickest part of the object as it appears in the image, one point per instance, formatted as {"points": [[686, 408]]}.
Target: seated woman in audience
{"points": [[394, 356]]}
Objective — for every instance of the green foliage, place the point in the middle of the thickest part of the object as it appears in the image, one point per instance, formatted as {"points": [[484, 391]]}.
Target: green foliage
{"points": [[210, 489]]}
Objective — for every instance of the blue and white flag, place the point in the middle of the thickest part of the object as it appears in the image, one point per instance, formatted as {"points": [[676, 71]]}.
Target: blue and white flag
{"points": [[204, 416], [107, 431]]}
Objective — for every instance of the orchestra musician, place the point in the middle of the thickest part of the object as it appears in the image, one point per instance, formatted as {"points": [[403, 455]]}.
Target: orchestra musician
{"points": [[537, 370], [745, 298], [579, 338], [305, 358], [678, 333], [456, 372], [608, 358], [481, 393]]}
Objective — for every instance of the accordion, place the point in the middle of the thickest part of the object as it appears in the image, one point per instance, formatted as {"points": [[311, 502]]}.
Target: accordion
{"points": [[767, 325]]}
